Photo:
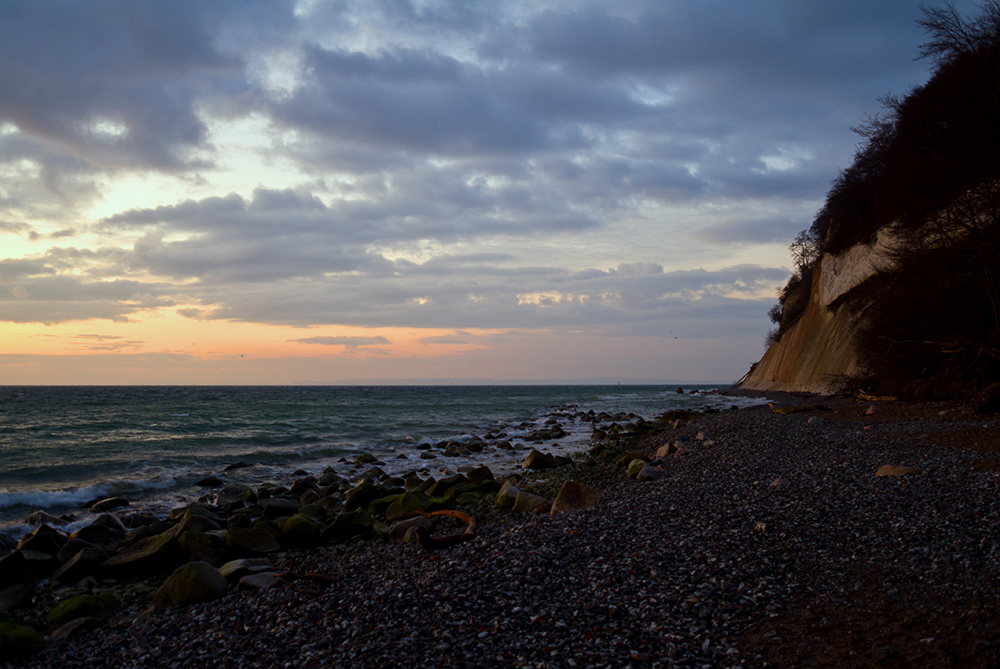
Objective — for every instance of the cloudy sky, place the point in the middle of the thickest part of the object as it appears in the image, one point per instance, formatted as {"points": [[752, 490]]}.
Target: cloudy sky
{"points": [[279, 192]]}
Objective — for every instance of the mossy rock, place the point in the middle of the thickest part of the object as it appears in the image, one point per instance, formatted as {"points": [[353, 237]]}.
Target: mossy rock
{"points": [[629, 457], [459, 489], [300, 531], [83, 606], [349, 524], [403, 505], [469, 499], [19, 640], [200, 546], [378, 507], [635, 467], [437, 504], [251, 541], [507, 495]]}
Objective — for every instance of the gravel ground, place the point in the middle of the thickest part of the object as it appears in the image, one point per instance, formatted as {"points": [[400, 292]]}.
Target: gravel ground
{"points": [[710, 565]]}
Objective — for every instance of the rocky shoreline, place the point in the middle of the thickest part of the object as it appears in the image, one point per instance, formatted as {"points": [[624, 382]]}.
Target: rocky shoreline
{"points": [[758, 538]]}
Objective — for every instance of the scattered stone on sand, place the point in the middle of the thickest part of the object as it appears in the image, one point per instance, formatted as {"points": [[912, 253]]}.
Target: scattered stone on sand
{"points": [[898, 470]]}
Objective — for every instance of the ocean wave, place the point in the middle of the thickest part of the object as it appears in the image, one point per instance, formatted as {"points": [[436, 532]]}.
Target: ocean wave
{"points": [[75, 497]]}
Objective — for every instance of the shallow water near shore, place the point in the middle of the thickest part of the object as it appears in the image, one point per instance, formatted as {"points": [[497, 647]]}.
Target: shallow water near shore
{"points": [[63, 446]]}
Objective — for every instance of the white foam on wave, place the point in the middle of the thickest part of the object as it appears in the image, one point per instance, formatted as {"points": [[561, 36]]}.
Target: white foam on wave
{"points": [[74, 497]]}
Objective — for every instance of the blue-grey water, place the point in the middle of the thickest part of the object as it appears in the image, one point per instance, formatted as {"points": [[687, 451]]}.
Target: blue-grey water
{"points": [[63, 446]]}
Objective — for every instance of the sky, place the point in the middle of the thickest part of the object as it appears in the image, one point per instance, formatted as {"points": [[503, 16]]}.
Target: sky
{"points": [[312, 191]]}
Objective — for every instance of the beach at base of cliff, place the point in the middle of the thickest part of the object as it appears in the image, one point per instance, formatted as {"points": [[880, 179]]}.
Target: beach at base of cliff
{"points": [[764, 539]]}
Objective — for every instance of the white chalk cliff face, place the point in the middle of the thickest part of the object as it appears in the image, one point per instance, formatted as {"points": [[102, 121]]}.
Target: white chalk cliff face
{"points": [[818, 350]]}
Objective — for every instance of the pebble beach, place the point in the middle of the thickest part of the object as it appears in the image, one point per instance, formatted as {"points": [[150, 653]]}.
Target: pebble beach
{"points": [[770, 541]]}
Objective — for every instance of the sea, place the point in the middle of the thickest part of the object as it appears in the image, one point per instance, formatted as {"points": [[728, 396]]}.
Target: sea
{"points": [[64, 446]]}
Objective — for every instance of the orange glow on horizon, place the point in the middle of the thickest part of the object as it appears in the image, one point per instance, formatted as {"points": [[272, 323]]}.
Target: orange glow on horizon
{"points": [[164, 331]]}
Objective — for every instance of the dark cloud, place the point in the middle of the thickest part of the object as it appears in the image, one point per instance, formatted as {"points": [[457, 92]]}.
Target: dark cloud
{"points": [[452, 164]]}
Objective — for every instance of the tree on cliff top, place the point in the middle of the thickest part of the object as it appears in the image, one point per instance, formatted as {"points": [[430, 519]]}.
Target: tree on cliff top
{"points": [[927, 171]]}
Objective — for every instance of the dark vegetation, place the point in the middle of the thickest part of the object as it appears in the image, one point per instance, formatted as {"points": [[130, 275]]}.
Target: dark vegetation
{"points": [[928, 173]]}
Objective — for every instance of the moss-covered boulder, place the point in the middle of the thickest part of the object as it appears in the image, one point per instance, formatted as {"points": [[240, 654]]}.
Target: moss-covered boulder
{"points": [[403, 505], [192, 583], [19, 640], [349, 524], [300, 531], [102, 605], [200, 546], [508, 493], [250, 541], [154, 555]]}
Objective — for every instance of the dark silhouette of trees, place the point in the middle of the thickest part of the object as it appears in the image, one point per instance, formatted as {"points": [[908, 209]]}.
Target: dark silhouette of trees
{"points": [[928, 172]]}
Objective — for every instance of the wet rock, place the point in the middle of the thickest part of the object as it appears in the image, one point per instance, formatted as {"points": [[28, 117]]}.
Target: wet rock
{"points": [[43, 539], [210, 482], [192, 583], [236, 465], [41, 517], [480, 474], [109, 504], [574, 496]]}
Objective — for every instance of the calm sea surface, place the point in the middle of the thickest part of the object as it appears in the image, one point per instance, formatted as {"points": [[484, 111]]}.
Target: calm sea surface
{"points": [[63, 446]]}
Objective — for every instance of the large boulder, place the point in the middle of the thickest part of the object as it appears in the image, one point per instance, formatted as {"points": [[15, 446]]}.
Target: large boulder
{"points": [[574, 496], [403, 505], [251, 541], [399, 530], [300, 531], [507, 495], [192, 583], [200, 546], [43, 539], [99, 535], [280, 507], [108, 504], [85, 562], [526, 502], [538, 460], [17, 640], [102, 605], [157, 554], [349, 524], [14, 597], [14, 570]]}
